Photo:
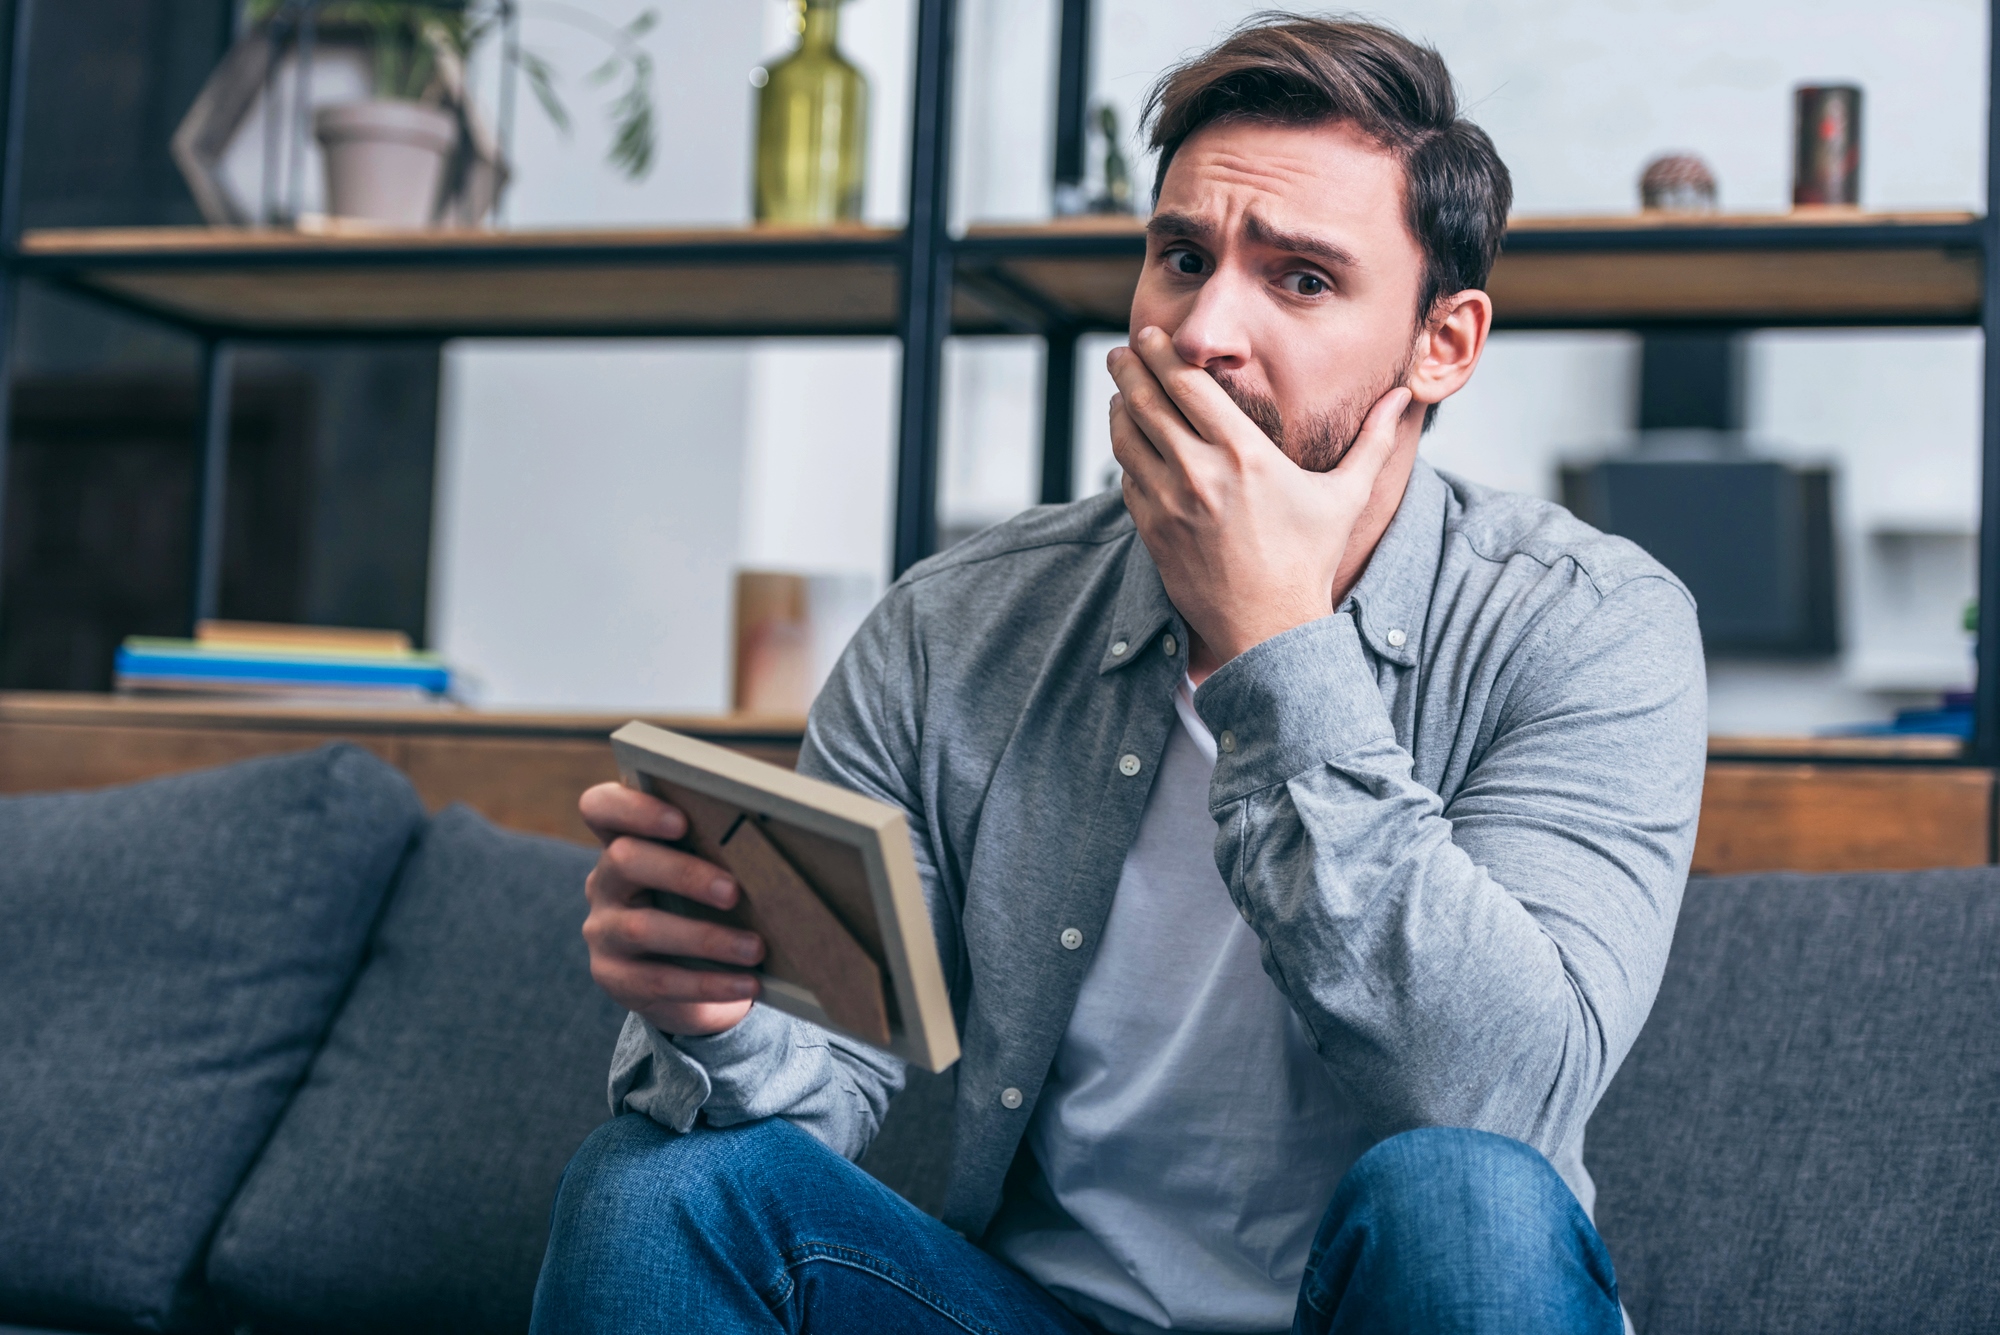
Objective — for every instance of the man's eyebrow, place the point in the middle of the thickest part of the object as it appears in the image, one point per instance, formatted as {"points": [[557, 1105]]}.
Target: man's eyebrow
{"points": [[1179, 227], [1187, 227], [1299, 243]]}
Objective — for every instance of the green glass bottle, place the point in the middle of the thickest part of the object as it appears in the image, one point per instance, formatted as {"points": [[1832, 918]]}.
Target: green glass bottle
{"points": [[812, 113]]}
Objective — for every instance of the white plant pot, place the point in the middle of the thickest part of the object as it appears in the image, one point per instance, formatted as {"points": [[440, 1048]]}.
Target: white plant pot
{"points": [[385, 160]]}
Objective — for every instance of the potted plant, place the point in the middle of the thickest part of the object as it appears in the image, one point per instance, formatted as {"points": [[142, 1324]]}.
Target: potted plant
{"points": [[390, 158]]}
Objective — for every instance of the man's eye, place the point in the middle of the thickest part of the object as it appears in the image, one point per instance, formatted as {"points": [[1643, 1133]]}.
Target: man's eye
{"points": [[1305, 284], [1184, 261]]}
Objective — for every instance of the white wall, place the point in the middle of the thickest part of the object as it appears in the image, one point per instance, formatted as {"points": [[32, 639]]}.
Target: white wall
{"points": [[589, 521], [590, 506], [1576, 95], [818, 456]]}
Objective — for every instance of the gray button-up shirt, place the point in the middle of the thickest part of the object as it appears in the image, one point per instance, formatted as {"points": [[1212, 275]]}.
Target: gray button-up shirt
{"points": [[1458, 814]]}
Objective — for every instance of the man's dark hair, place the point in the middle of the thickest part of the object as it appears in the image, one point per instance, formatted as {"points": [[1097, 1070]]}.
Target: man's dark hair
{"points": [[1289, 70]]}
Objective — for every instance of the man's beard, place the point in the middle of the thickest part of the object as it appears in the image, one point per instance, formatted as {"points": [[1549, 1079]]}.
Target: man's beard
{"points": [[1319, 441]]}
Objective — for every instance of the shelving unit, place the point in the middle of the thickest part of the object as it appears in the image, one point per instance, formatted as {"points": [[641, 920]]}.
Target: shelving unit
{"points": [[922, 283]]}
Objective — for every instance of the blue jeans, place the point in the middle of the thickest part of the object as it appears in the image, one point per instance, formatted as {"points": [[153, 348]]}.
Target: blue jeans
{"points": [[762, 1228]]}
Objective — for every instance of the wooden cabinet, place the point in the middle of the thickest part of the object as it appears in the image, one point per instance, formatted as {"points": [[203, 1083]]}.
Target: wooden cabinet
{"points": [[1775, 816], [523, 771], [1884, 805]]}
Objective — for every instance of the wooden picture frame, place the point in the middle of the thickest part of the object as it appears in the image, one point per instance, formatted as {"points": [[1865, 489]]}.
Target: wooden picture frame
{"points": [[828, 880]]}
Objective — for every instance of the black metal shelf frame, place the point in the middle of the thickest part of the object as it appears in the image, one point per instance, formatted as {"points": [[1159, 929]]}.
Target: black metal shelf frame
{"points": [[931, 262]]}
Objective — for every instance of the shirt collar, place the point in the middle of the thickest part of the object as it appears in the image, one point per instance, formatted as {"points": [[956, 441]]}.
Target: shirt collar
{"points": [[1390, 603], [1142, 609], [1392, 600]]}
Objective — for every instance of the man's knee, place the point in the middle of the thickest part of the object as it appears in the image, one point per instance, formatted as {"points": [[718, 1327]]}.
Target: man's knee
{"points": [[1448, 1219], [633, 1174], [1476, 1179], [647, 1221]]}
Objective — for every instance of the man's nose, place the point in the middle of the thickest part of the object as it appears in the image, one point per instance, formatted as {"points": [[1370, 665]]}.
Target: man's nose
{"points": [[1215, 333]]}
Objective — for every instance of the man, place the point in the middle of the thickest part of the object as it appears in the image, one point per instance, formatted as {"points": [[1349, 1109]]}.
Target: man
{"points": [[1303, 829]]}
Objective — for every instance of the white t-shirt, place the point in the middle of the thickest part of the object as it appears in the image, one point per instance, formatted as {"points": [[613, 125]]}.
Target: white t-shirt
{"points": [[1189, 1138]]}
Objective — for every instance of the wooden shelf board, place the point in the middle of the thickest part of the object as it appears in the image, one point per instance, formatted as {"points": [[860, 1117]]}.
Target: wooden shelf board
{"points": [[715, 282], [610, 300], [1904, 747], [701, 281], [1830, 267], [1812, 267], [1829, 218], [169, 711], [138, 243], [1747, 287], [1665, 226]]}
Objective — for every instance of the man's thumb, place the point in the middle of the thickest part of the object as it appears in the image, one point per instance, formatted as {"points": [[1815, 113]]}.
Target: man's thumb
{"points": [[1377, 438]]}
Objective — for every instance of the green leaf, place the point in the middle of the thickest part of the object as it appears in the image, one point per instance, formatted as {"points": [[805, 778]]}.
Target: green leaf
{"points": [[632, 114], [541, 77], [632, 150]]}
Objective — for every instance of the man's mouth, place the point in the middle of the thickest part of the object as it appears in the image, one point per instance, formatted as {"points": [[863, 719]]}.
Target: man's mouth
{"points": [[1320, 442]]}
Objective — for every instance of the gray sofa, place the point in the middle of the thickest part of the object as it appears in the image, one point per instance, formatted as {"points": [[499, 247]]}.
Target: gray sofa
{"points": [[281, 1054]]}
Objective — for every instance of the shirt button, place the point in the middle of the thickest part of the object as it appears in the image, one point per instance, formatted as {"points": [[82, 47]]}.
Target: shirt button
{"points": [[1170, 647], [1227, 741], [1118, 649], [1128, 765], [1010, 1098], [1070, 938], [1395, 639]]}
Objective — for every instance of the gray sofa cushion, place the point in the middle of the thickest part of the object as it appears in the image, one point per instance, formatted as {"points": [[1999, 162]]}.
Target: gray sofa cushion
{"points": [[911, 1154], [408, 1188], [172, 956], [1806, 1137]]}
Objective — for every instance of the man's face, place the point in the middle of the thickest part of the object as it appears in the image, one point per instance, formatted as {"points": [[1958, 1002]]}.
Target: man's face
{"points": [[1279, 260]]}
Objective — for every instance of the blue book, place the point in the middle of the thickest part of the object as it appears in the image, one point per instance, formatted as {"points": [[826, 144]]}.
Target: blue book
{"points": [[144, 661]]}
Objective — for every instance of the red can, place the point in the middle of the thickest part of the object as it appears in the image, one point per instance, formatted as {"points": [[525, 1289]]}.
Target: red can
{"points": [[1826, 169]]}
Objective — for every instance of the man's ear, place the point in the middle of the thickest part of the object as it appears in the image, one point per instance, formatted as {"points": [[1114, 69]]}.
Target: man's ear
{"points": [[1449, 347]]}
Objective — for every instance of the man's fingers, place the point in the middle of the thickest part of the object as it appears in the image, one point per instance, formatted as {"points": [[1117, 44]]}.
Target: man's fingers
{"points": [[1134, 498], [612, 809], [651, 932], [1132, 448], [641, 984], [1195, 395], [638, 865], [1150, 407]]}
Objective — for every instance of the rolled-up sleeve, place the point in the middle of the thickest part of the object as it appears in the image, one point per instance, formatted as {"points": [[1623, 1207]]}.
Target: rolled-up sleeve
{"points": [[1485, 964]]}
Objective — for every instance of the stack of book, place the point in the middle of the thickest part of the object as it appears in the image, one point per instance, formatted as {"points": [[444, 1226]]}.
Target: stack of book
{"points": [[294, 662]]}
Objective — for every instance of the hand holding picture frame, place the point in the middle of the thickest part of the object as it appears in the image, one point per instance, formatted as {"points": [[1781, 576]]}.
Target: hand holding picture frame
{"points": [[827, 879]]}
